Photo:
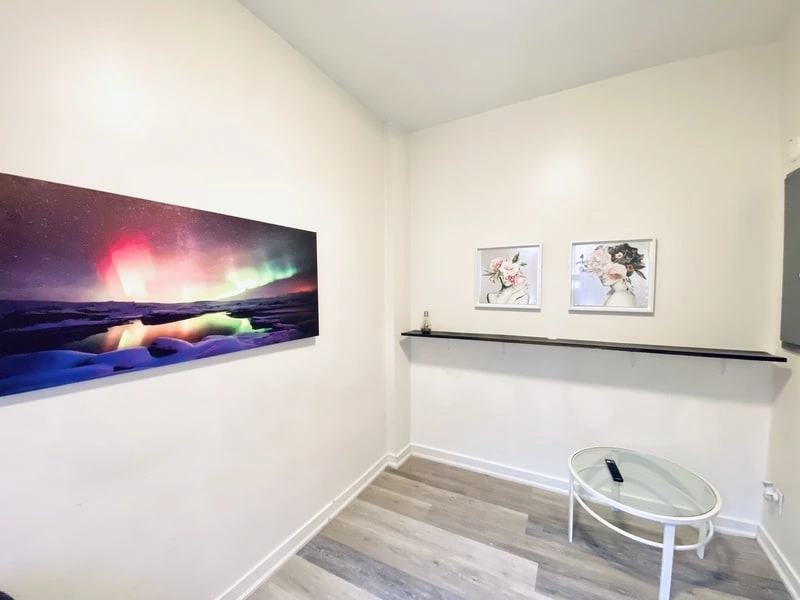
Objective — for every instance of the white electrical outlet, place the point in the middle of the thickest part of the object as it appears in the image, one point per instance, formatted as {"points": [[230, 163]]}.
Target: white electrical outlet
{"points": [[773, 495]]}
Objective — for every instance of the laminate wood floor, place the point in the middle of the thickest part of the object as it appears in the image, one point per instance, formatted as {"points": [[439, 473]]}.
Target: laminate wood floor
{"points": [[431, 531]]}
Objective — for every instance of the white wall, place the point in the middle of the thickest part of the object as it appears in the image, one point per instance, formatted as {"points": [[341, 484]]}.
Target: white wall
{"points": [[685, 153], [174, 483], [784, 449], [396, 276]]}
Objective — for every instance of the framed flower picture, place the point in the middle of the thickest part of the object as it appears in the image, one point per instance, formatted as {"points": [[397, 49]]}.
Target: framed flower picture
{"points": [[509, 277], [614, 276]]}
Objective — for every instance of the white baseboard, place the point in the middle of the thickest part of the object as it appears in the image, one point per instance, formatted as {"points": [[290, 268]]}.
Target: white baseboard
{"points": [[737, 527], [243, 588], [395, 461], [485, 467], [785, 570], [723, 524]]}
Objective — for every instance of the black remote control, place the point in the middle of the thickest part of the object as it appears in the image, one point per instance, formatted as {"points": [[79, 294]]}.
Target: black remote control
{"points": [[614, 470]]}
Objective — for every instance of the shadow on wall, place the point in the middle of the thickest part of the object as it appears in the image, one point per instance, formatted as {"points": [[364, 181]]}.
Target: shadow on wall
{"points": [[722, 379], [123, 378]]}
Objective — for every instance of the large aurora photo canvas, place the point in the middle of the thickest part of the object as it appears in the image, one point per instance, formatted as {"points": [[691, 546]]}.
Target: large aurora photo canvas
{"points": [[93, 284]]}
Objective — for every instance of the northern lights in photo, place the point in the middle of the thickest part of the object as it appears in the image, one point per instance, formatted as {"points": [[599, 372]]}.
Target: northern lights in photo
{"points": [[60, 242], [93, 283]]}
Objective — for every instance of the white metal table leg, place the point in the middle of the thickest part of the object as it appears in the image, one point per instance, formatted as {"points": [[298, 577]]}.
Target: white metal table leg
{"points": [[571, 505], [701, 535], [667, 554]]}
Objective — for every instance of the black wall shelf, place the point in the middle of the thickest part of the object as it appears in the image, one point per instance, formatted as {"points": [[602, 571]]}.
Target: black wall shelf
{"points": [[645, 348]]}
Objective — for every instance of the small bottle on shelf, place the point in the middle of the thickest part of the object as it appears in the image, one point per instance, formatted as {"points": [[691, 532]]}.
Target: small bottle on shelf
{"points": [[425, 328]]}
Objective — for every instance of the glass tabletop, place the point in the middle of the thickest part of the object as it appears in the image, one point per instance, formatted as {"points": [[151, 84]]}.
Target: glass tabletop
{"points": [[651, 484]]}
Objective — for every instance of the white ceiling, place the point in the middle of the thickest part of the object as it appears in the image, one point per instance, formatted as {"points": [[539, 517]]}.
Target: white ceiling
{"points": [[419, 63]]}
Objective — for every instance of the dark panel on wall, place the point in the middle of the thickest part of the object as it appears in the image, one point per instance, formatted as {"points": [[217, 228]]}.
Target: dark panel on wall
{"points": [[790, 306]]}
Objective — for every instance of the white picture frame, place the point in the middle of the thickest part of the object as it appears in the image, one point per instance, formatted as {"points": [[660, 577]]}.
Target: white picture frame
{"points": [[509, 277], [613, 276]]}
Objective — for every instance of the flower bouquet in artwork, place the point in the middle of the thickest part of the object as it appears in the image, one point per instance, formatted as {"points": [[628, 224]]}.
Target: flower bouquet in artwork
{"points": [[619, 267], [509, 277], [511, 280]]}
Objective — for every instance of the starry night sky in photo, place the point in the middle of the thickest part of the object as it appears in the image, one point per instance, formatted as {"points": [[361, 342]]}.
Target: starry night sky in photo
{"points": [[66, 243]]}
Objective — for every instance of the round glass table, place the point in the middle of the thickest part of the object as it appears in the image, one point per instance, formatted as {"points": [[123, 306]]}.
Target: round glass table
{"points": [[651, 488]]}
